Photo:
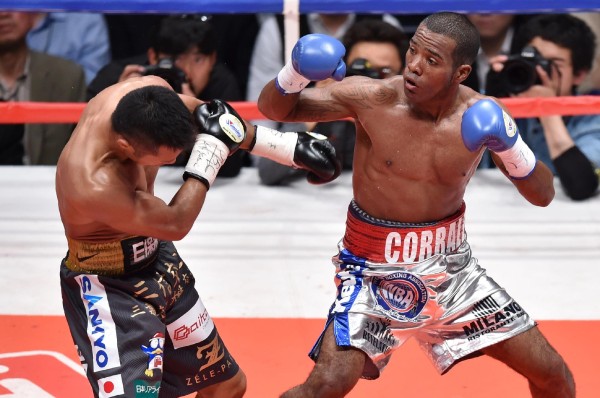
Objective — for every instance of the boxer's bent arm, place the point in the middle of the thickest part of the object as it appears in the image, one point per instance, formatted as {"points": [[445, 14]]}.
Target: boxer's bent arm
{"points": [[328, 103], [537, 188], [141, 213]]}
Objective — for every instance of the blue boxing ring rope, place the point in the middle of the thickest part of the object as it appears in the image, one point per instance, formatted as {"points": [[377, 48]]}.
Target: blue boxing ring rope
{"points": [[304, 6]]}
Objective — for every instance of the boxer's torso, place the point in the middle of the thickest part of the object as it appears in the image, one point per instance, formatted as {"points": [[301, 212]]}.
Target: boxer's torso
{"points": [[409, 166]]}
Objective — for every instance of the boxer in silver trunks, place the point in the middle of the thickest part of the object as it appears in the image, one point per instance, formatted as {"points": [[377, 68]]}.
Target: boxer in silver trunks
{"points": [[401, 280], [419, 139]]}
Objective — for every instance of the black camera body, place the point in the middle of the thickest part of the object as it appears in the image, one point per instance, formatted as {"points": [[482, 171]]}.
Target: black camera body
{"points": [[362, 67], [165, 68], [519, 72]]}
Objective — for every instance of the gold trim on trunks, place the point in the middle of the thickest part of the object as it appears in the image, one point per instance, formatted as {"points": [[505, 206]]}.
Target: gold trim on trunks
{"points": [[111, 258]]}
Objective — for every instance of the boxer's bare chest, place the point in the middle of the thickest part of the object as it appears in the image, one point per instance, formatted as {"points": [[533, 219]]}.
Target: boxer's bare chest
{"points": [[416, 148]]}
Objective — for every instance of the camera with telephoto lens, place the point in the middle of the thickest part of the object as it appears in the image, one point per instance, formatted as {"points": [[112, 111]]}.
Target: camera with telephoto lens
{"points": [[165, 68], [519, 72], [362, 67]]}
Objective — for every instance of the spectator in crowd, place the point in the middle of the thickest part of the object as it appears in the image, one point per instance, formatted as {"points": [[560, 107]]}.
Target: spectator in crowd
{"points": [[189, 41], [183, 51], [268, 55], [558, 50], [27, 75], [80, 37], [235, 34], [591, 84], [496, 32], [374, 48]]}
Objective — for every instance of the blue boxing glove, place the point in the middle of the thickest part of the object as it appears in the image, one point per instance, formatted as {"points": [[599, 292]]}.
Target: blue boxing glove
{"points": [[314, 57], [485, 123]]}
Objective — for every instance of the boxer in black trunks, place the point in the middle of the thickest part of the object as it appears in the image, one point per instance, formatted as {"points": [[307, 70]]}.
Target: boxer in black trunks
{"points": [[136, 319], [404, 267]]}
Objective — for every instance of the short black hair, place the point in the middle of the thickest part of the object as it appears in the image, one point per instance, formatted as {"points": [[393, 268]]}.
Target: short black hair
{"points": [[177, 34], [565, 31], [458, 28], [377, 31], [153, 117]]}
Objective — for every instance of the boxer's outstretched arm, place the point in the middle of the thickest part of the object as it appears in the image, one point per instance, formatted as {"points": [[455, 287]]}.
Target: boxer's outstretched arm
{"points": [[315, 57], [275, 105]]}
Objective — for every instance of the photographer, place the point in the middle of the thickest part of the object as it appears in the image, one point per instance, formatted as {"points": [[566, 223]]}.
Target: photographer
{"points": [[554, 53], [496, 35], [183, 52], [375, 49]]}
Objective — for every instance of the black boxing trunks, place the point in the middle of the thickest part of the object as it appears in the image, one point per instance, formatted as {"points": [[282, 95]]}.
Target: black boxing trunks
{"points": [[137, 321], [399, 280]]}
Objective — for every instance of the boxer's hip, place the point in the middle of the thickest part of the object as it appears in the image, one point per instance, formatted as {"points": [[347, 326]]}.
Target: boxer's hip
{"points": [[113, 258], [384, 241]]}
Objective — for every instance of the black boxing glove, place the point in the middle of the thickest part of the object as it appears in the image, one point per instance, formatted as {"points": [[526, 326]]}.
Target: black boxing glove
{"points": [[303, 150], [221, 132]]}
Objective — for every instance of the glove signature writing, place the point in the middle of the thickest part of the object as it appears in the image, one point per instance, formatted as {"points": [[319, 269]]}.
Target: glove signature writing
{"points": [[211, 154]]}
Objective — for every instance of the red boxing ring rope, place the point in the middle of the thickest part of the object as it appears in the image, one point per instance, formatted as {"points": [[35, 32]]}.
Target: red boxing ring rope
{"points": [[47, 112], [69, 112]]}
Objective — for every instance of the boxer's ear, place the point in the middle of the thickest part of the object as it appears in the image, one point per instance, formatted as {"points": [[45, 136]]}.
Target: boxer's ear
{"points": [[462, 72], [125, 146]]}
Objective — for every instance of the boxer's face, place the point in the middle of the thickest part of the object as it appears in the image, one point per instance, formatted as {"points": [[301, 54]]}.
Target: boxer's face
{"points": [[429, 66], [164, 155], [142, 155]]}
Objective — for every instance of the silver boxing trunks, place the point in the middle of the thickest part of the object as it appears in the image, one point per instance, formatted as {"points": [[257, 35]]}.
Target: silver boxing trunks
{"points": [[398, 280], [137, 321]]}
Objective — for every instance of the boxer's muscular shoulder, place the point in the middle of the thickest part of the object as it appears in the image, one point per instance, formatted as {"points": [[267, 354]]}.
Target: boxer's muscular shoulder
{"points": [[469, 96], [366, 93]]}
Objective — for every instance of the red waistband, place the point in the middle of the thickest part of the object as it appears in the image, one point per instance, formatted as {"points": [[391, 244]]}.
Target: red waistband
{"points": [[393, 242]]}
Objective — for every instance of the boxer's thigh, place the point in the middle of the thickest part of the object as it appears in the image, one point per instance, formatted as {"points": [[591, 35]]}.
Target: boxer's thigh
{"points": [[528, 353]]}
